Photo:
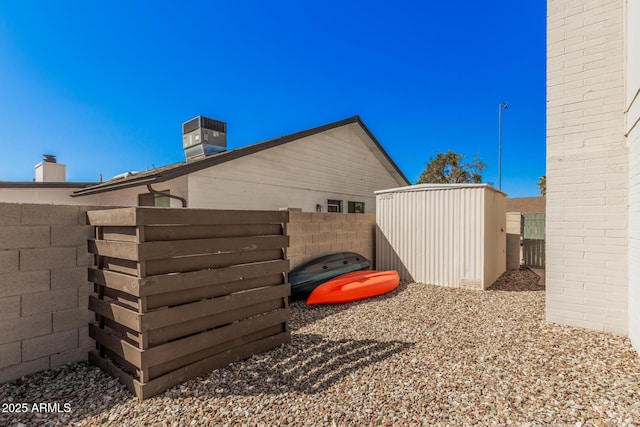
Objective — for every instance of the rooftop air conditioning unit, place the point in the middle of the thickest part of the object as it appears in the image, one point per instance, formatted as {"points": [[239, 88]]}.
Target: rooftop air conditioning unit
{"points": [[203, 136]]}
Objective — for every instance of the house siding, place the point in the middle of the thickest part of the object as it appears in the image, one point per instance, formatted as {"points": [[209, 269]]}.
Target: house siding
{"points": [[587, 166], [335, 164], [129, 196]]}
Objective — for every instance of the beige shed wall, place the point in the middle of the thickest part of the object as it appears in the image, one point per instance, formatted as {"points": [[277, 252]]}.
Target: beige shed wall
{"points": [[450, 236], [495, 236], [336, 164], [587, 166]]}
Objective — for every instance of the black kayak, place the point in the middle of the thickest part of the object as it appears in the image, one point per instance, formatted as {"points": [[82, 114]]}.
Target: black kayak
{"points": [[308, 276]]}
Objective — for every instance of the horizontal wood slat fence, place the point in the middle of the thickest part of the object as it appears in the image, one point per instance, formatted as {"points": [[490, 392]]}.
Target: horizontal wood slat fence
{"points": [[181, 292]]}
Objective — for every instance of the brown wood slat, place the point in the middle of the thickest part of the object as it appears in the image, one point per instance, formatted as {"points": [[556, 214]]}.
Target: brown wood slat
{"points": [[122, 363], [162, 216], [181, 248], [120, 265], [164, 368], [120, 234], [186, 264], [120, 347], [123, 297], [215, 362], [121, 250], [115, 311], [182, 313], [115, 217], [171, 283], [110, 368], [195, 343], [129, 334], [186, 232], [190, 295], [158, 336], [115, 280], [160, 284]]}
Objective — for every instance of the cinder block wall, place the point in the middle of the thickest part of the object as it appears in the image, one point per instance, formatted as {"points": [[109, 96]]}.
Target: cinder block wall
{"points": [[43, 287], [315, 234], [587, 166]]}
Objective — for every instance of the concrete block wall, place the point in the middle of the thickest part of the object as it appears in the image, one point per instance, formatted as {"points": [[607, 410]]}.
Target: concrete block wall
{"points": [[43, 287], [587, 166], [315, 234]]}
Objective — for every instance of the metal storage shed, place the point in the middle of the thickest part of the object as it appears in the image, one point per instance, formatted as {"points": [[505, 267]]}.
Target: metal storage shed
{"points": [[443, 234]]}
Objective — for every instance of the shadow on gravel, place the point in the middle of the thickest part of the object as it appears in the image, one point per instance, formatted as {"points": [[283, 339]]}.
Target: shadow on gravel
{"points": [[303, 315], [522, 280], [309, 365]]}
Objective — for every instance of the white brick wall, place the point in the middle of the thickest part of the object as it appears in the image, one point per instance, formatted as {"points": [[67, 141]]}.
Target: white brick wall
{"points": [[634, 237], [633, 125], [587, 165]]}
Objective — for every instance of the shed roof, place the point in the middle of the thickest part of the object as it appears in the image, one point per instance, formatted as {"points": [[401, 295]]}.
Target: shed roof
{"points": [[425, 187]]}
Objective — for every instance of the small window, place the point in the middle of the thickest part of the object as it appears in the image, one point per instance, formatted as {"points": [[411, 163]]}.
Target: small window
{"points": [[356, 207], [157, 200], [334, 205]]}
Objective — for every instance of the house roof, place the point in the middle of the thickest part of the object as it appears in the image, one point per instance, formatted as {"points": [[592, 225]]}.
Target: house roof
{"points": [[176, 170], [527, 204], [36, 185]]}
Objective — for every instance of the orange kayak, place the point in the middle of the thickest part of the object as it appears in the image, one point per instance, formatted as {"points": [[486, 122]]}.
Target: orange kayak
{"points": [[354, 286]]}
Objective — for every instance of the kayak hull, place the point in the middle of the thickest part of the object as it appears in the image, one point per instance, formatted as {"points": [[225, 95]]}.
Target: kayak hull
{"points": [[308, 276], [354, 286]]}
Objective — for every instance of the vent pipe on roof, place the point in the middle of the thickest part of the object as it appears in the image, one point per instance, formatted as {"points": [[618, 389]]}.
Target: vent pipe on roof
{"points": [[203, 136], [49, 170]]}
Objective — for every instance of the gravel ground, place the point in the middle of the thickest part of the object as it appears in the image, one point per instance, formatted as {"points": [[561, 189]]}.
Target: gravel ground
{"points": [[421, 355]]}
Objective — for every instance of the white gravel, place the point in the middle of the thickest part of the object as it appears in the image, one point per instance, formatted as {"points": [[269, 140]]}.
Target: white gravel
{"points": [[421, 355]]}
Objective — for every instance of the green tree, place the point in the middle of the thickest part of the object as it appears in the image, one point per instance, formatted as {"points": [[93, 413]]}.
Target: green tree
{"points": [[542, 185], [448, 168]]}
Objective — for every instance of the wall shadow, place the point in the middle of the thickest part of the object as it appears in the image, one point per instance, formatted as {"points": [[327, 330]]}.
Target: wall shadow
{"points": [[522, 280], [303, 315], [310, 364], [389, 258]]}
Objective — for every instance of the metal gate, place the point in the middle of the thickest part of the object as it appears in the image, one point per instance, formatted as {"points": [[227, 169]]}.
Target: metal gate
{"points": [[533, 242]]}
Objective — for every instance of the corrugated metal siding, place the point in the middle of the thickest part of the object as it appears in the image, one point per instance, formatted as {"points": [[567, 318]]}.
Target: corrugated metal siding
{"points": [[433, 236]]}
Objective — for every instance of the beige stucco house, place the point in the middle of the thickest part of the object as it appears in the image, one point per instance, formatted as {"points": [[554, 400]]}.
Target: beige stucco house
{"points": [[331, 168], [593, 165]]}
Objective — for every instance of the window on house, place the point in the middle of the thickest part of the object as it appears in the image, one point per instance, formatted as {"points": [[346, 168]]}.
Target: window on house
{"points": [[149, 199], [355, 207], [334, 205]]}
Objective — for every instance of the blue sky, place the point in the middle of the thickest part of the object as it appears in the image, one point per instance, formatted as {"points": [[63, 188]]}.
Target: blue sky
{"points": [[106, 86]]}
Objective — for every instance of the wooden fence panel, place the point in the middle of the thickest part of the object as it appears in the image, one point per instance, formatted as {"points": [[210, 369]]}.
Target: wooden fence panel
{"points": [[534, 252], [183, 291]]}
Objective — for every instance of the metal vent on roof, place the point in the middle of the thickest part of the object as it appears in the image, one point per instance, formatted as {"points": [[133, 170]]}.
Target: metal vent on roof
{"points": [[49, 158], [203, 136], [203, 122], [191, 125]]}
